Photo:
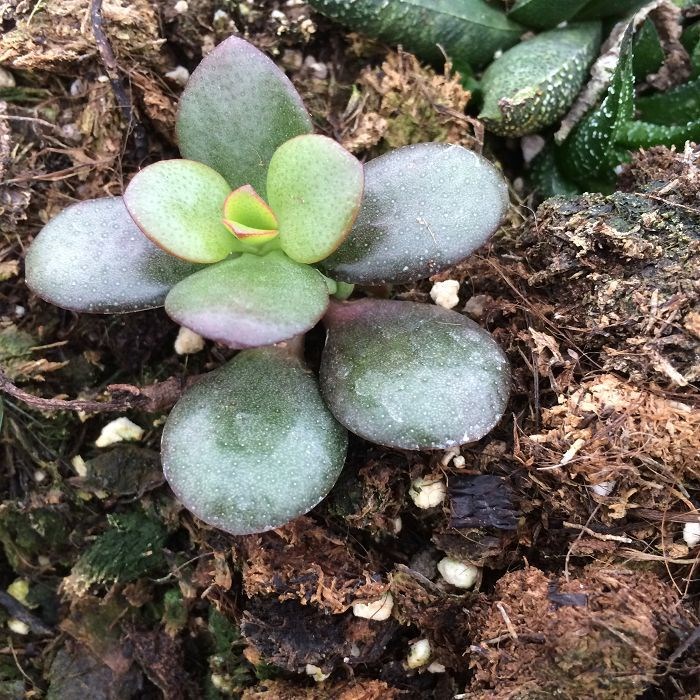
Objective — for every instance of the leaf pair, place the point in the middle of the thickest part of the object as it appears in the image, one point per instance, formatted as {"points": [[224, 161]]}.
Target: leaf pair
{"points": [[252, 446], [314, 191]]}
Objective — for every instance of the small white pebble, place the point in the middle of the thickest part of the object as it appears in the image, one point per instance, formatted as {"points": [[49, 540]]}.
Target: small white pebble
{"points": [[418, 654], [188, 342], [428, 493], [436, 667], [76, 87], [449, 455], [78, 463], [181, 7], [7, 80], [604, 488], [316, 673], [475, 305], [119, 430], [691, 534], [397, 524], [459, 462], [39, 476], [43, 560], [20, 311], [179, 75], [458, 573], [17, 626], [531, 146], [445, 294], [376, 610], [221, 16]]}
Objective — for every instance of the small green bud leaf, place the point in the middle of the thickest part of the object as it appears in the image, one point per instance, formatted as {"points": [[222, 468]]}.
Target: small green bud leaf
{"points": [[425, 207], [178, 204], [314, 186], [93, 258], [251, 446], [236, 110], [250, 300], [412, 376], [248, 217]]}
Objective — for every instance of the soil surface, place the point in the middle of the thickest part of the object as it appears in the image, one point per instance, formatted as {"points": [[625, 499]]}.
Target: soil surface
{"points": [[574, 507]]}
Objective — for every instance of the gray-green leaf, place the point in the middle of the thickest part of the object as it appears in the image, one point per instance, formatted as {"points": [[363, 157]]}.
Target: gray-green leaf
{"points": [[252, 446], [92, 257], [425, 207], [410, 375]]}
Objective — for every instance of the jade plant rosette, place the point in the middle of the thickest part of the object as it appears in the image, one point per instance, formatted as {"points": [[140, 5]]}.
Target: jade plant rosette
{"points": [[246, 240]]}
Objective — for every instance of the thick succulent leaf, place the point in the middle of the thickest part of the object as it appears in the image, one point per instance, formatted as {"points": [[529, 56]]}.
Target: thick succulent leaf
{"points": [[677, 106], [636, 134], [425, 207], [236, 110], [546, 178], [544, 14], [249, 217], [179, 205], [597, 9], [92, 257], [648, 52], [591, 152], [251, 446], [533, 84], [410, 375], [314, 186], [469, 31], [250, 300]]}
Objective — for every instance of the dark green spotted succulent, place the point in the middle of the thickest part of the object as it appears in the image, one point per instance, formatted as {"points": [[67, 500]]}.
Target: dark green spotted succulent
{"points": [[250, 239]]}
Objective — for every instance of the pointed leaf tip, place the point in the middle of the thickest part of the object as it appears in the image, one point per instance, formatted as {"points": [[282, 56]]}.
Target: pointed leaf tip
{"points": [[251, 446], [238, 107], [410, 375], [93, 258]]}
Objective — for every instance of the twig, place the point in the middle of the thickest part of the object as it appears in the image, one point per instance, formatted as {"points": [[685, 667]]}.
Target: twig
{"points": [[151, 399], [112, 68], [18, 611], [598, 535]]}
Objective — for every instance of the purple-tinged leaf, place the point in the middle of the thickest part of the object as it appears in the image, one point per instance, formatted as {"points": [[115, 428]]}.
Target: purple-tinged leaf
{"points": [[314, 186], [410, 375], [249, 217], [251, 446], [425, 207], [236, 110], [179, 205], [251, 300], [93, 258]]}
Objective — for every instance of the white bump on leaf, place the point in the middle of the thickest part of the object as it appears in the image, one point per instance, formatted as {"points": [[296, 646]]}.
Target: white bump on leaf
{"points": [[418, 654], [428, 493], [458, 573], [376, 610], [119, 430], [691, 534], [188, 342], [445, 294]]}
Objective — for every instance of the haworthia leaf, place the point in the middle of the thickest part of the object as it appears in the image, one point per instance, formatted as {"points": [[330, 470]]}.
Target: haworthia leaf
{"points": [[677, 106], [251, 446], [546, 178], [590, 153], [410, 375], [533, 84], [597, 9], [469, 31], [93, 258], [236, 110], [314, 186], [648, 52], [425, 207], [636, 134], [179, 205], [250, 300], [544, 14]]}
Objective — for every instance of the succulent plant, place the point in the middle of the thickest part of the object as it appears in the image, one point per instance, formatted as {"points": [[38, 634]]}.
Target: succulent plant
{"points": [[245, 240]]}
